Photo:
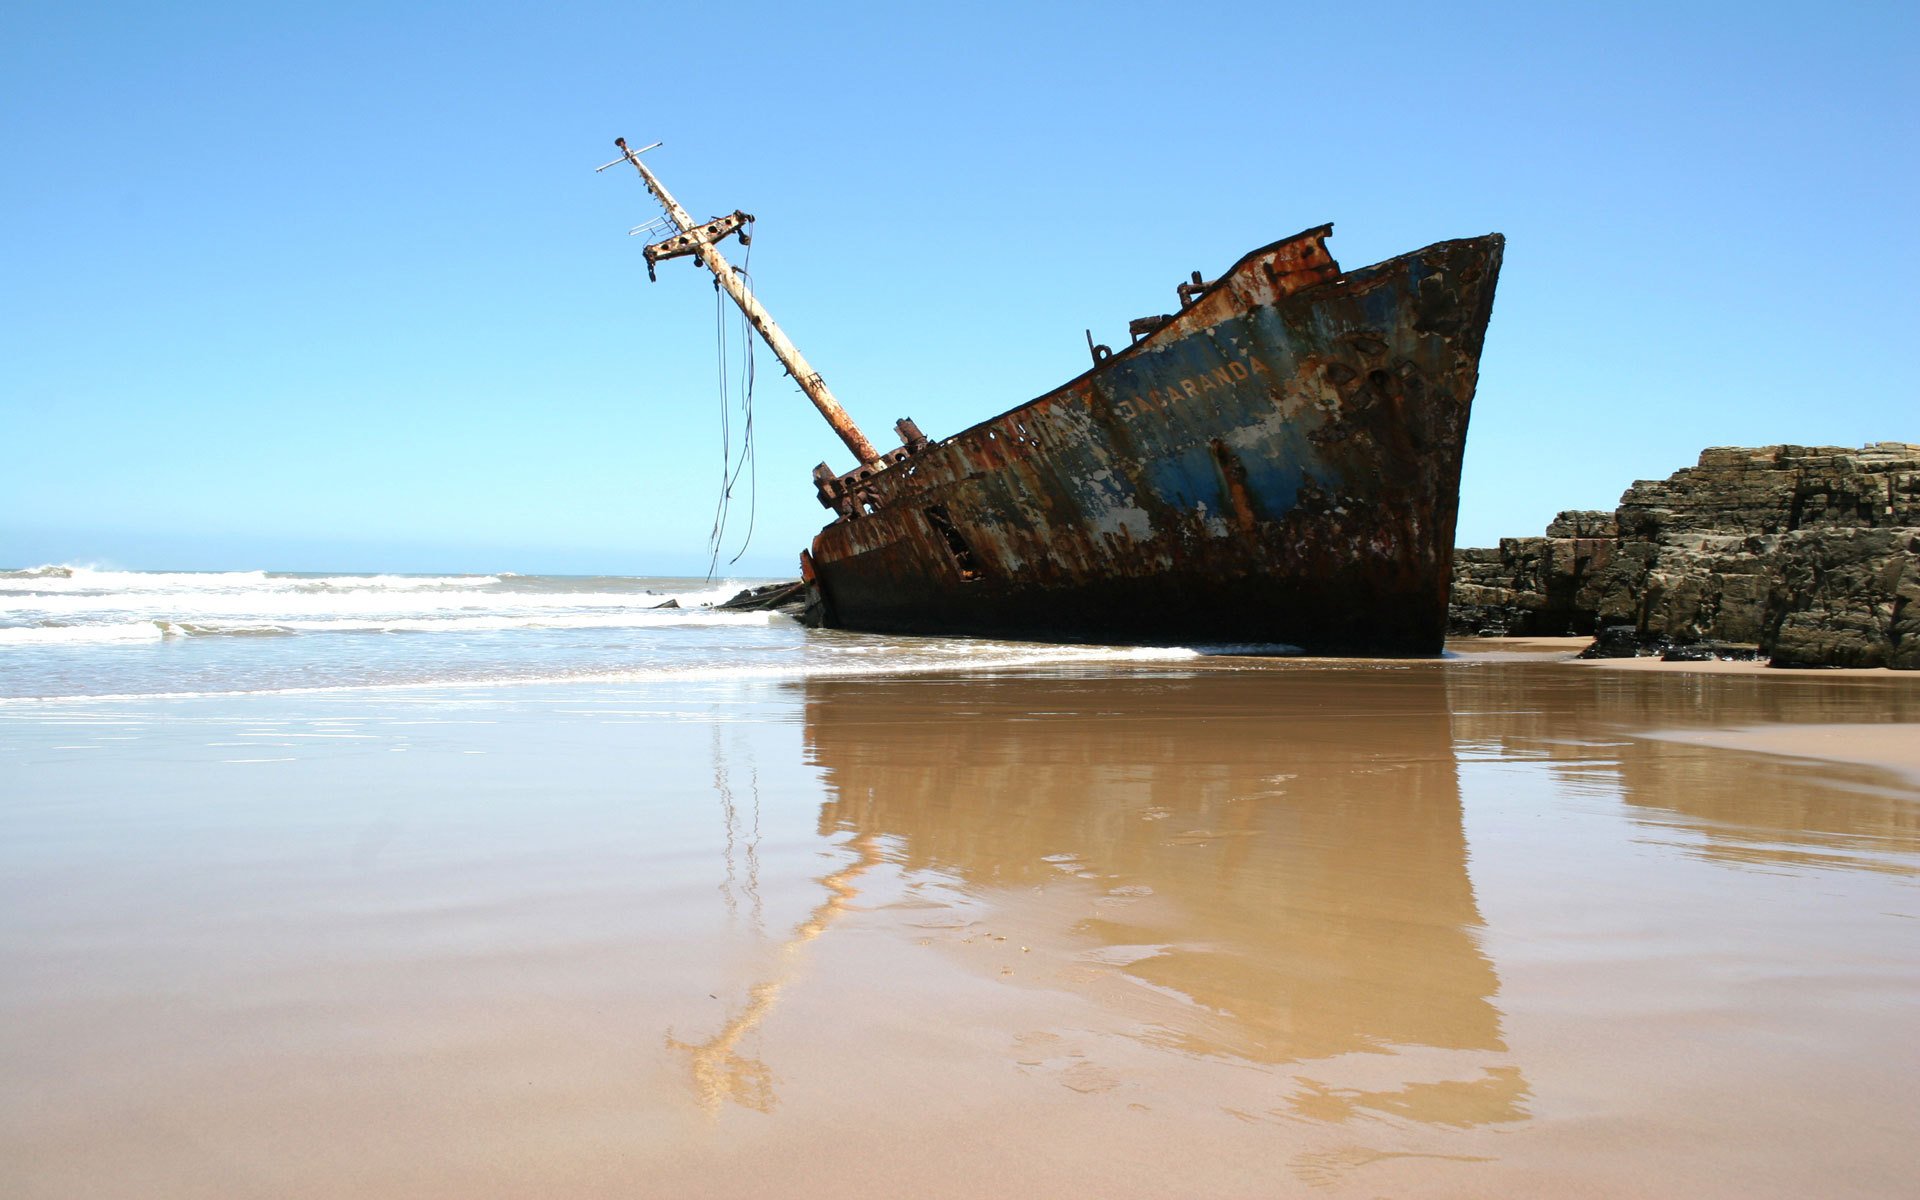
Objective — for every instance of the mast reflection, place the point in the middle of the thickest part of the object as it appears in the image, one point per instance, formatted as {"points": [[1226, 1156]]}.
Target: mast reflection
{"points": [[720, 1071], [1296, 876]]}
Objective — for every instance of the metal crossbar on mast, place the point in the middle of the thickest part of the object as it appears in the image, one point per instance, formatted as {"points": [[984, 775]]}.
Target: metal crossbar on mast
{"points": [[699, 241]]}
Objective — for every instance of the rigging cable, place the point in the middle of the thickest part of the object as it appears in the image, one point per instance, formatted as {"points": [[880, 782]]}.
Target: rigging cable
{"points": [[748, 458], [730, 469], [726, 433]]}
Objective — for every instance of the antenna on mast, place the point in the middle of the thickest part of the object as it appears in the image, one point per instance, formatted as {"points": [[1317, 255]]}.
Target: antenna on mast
{"points": [[622, 143], [701, 241]]}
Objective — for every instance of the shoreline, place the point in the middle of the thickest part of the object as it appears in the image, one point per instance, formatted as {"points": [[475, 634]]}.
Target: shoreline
{"points": [[1011, 659]]}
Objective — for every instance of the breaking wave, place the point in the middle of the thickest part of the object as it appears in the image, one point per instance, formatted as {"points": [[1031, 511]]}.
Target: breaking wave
{"points": [[69, 596], [78, 631], [155, 630]]}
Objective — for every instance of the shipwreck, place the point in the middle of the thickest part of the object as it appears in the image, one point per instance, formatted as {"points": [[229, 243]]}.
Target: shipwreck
{"points": [[1275, 463]]}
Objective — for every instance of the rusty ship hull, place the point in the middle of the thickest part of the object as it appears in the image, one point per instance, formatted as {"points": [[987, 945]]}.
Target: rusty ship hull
{"points": [[1277, 463]]}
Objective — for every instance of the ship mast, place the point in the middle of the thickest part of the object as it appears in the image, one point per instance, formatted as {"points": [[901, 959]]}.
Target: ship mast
{"points": [[699, 241]]}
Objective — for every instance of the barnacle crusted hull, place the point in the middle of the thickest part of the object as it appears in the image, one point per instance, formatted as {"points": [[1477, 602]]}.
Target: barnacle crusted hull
{"points": [[1279, 463]]}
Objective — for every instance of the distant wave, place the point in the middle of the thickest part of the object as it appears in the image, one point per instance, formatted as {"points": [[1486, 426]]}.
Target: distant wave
{"points": [[60, 595], [68, 578], [336, 604], [46, 572]]}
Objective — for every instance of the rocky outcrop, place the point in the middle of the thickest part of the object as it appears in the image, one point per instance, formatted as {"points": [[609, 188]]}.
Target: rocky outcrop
{"points": [[1537, 586], [1809, 555]]}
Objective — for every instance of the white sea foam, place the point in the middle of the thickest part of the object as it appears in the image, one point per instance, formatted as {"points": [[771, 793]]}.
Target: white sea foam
{"points": [[51, 607], [154, 630], [66, 595], [984, 657], [66, 630], [488, 624]]}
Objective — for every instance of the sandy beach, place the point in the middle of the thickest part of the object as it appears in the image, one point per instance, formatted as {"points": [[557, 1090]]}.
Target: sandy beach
{"points": [[1495, 925]]}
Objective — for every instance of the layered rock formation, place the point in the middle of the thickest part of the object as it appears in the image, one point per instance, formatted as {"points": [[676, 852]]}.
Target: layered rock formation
{"points": [[1534, 586], [1807, 555]]}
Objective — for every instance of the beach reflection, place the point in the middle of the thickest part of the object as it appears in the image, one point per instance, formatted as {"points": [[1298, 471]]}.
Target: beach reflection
{"points": [[1273, 882], [1247, 892], [1589, 728], [720, 1071], [1229, 928]]}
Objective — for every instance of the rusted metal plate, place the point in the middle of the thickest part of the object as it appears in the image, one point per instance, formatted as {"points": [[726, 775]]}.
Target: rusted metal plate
{"points": [[1279, 463]]}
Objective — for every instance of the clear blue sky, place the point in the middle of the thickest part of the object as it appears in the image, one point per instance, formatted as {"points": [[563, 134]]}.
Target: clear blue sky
{"points": [[335, 286]]}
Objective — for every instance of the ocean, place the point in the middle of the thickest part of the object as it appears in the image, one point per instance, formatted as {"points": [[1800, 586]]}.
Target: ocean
{"points": [[72, 631]]}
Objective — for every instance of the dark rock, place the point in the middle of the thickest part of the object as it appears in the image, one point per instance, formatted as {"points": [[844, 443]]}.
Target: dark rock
{"points": [[1808, 554], [1697, 652], [1622, 641], [771, 597], [668, 604]]}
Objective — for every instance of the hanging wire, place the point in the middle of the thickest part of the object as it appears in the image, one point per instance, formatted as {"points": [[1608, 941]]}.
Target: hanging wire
{"points": [[718, 531], [749, 351], [730, 468]]}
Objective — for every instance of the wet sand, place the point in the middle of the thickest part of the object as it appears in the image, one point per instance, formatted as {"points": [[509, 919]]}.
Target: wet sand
{"points": [[1500, 925], [1893, 747]]}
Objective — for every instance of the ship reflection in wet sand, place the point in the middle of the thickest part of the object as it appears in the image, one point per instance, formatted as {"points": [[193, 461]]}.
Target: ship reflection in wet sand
{"points": [[1237, 881], [1261, 883], [1245, 896]]}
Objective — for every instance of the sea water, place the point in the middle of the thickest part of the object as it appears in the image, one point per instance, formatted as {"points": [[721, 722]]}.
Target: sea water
{"points": [[69, 631]]}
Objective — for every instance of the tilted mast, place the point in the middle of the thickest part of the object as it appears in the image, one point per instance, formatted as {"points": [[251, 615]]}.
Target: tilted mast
{"points": [[699, 241]]}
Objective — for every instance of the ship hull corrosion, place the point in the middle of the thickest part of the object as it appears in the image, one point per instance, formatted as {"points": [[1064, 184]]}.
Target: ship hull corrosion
{"points": [[1279, 463]]}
